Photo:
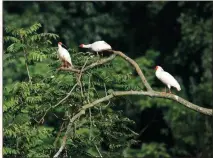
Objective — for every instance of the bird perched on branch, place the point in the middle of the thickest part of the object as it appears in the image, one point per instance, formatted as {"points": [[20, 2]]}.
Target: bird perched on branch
{"points": [[64, 56], [97, 46], [166, 78]]}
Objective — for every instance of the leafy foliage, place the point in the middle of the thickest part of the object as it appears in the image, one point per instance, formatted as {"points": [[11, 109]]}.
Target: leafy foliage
{"points": [[154, 150]]}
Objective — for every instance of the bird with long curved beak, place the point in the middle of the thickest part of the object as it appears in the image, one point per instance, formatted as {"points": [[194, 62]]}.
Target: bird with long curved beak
{"points": [[166, 78], [64, 56]]}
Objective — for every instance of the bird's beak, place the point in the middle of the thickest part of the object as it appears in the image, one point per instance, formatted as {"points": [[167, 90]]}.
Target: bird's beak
{"points": [[64, 45]]}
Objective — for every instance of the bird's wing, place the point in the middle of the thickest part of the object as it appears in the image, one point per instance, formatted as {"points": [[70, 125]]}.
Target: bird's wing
{"points": [[100, 46], [65, 54], [97, 42], [104, 43], [107, 45], [168, 79]]}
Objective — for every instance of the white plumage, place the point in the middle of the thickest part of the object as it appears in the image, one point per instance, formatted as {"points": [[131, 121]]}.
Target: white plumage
{"points": [[166, 78], [97, 46], [64, 55]]}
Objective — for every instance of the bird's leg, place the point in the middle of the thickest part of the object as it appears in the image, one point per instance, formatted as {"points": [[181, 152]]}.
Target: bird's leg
{"points": [[170, 91], [69, 65], [98, 54], [63, 65], [66, 64]]}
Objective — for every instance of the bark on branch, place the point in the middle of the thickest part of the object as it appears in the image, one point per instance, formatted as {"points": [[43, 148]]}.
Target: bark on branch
{"points": [[156, 94]]}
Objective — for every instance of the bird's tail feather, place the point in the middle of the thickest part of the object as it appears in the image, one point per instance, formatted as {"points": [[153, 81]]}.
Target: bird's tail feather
{"points": [[178, 88]]}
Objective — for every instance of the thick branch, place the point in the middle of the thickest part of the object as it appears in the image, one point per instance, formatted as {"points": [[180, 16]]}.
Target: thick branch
{"points": [[152, 94], [176, 98], [69, 69], [137, 68]]}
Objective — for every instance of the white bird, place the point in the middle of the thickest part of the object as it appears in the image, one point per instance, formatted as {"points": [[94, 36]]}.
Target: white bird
{"points": [[64, 56], [97, 46], [166, 78]]}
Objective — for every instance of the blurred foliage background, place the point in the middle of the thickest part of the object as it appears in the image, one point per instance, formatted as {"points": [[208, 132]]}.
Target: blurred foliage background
{"points": [[175, 35]]}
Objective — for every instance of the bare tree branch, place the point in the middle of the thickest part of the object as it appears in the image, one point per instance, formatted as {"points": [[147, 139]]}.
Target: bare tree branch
{"points": [[68, 131], [98, 151], [176, 98], [67, 96]]}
